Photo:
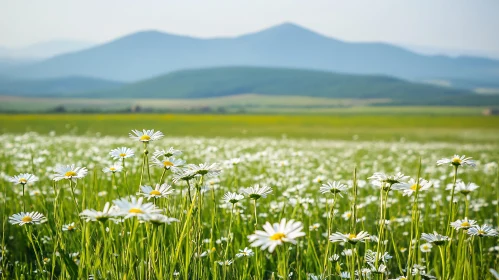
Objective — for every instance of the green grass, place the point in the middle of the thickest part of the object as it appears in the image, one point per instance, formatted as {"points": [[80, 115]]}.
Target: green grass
{"points": [[209, 227], [348, 126]]}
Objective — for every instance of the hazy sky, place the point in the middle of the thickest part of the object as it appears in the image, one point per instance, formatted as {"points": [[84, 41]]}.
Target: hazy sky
{"points": [[452, 24]]}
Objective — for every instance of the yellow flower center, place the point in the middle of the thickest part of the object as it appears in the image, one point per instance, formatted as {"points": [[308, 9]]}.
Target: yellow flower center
{"points": [[481, 232], [135, 211], [415, 187], [122, 155], [457, 161], [465, 224], [23, 181], [145, 137], [278, 236], [27, 219], [167, 163], [71, 228], [426, 247], [112, 168], [352, 236], [155, 192], [70, 174]]}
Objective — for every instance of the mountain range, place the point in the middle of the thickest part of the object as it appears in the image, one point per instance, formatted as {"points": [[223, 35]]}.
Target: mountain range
{"points": [[147, 54]]}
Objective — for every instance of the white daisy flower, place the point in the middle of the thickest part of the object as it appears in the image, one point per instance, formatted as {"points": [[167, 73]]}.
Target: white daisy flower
{"points": [[435, 238], [426, 247], [482, 231], [70, 172], [411, 187], [69, 227], [457, 160], [146, 135], [159, 219], [334, 258], [231, 197], [333, 187], [255, 192], [345, 275], [113, 168], [314, 227], [204, 169], [246, 252], [167, 163], [121, 153], [135, 208], [23, 179], [463, 188], [386, 182], [167, 153], [463, 224], [101, 216], [225, 263], [276, 234], [27, 218], [351, 238], [373, 257], [163, 190]]}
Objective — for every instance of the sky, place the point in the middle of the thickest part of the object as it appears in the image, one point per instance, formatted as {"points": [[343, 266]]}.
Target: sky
{"points": [[438, 24]]}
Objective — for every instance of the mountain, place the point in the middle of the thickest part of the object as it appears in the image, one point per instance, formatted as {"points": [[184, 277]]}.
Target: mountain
{"points": [[54, 87], [147, 54], [44, 50], [225, 81]]}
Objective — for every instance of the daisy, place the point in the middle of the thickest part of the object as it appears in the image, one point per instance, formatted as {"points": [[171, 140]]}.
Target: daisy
{"points": [[373, 257], [333, 187], [159, 219], [435, 238], [23, 179], [276, 234], [386, 182], [351, 238], [255, 192], [314, 227], [334, 258], [411, 187], [145, 136], [159, 191], [70, 172], [457, 160], [167, 153], [246, 252], [426, 247], [482, 231], [345, 275], [463, 188], [114, 168], [167, 163], [233, 198], [101, 216], [69, 227], [27, 218], [463, 224], [226, 262], [182, 175], [204, 169], [135, 208], [121, 153]]}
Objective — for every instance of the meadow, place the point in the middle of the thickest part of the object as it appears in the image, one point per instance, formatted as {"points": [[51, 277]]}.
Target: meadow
{"points": [[249, 197]]}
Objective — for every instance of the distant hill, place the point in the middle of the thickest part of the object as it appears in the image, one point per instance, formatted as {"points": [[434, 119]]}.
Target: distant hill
{"points": [[54, 87], [147, 54], [225, 81]]}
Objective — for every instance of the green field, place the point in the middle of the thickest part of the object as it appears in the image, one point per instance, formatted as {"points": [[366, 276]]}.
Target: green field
{"points": [[396, 127]]}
